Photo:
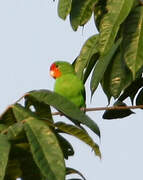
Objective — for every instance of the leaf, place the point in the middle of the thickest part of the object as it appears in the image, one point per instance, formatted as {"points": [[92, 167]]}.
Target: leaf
{"points": [[117, 113], [131, 90], [116, 76], [7, 117], [80, 134], [4, 152], [81, 12], [16, 133], [13, 170], [99, 11], [133, 41], [117, 11], [44, 145], [90, 66], [73, 171], [66, 107], [42, 110], [101, 67], [139, 99], [64, 7], [87, 51], [65, 146]]}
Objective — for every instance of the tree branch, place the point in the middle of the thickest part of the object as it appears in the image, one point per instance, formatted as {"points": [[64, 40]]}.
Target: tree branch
{"points": [[105, 108]]}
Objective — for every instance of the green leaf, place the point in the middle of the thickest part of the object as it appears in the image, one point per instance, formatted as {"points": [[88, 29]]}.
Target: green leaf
{"points": [[21, 164], [81, 12], [4, 153], [117, 11], [66, 107], [64, 7], [90, 66], [65, 146], [101, 67], [73, 171], [117, 113], [80, 134], [116, 76], [16, 133], [133, 41], [88, 50], [99, 12], [131, 90], [42, 110], [44, 145], [7, 117]]}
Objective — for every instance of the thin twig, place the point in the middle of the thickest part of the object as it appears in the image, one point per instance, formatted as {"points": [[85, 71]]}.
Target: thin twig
{"points": [[106, 108]]}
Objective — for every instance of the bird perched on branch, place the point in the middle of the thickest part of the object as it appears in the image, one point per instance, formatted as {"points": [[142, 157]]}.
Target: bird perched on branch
{"points": [[67, 83]]}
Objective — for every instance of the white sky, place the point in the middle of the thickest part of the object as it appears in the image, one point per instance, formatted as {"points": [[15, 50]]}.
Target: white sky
{"points": [[32, 36]]}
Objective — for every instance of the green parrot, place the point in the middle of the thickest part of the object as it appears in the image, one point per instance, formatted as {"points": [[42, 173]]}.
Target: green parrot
{"points": [[67, 83]]}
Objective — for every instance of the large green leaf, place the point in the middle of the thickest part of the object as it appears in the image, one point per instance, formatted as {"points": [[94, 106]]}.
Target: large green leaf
{"points": [[4, 152], [64, 7], [44, 145], [117, 11], [115, 76], [88, 50], [80, 134], [81, 12], [133, 40], [101, 67], [66, 107]]}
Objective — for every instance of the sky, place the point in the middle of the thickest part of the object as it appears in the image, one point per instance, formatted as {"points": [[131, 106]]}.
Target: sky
{"points": [[32, 36]]}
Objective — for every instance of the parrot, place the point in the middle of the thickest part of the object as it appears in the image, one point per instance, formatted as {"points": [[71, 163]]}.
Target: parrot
{"points": [[67, 83]]}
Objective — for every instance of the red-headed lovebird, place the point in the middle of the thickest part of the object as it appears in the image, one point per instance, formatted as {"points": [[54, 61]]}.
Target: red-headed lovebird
{"points": [[67, 83]]}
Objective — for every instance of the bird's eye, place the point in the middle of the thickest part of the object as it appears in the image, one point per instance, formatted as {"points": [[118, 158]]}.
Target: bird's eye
{"points": [[57, 66]]}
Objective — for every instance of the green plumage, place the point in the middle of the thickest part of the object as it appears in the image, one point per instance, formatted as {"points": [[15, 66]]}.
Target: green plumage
{"points": [[69, 85]]}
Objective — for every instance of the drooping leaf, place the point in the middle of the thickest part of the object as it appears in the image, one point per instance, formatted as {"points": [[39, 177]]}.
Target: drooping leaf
{"points": [[116, 77], [88, 50], [117, 11], [64, 7], [99, 11], [101, 66], [44, 145], [90, 66], [4, 152], [117, 113], [65, 146], [80, 134], [131, 90], [81, 12], [133, 41], [66, 107], [74, 171]]}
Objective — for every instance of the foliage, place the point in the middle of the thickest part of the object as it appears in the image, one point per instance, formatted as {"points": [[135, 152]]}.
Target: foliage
{"points": [[32, 144], [114, 54]]}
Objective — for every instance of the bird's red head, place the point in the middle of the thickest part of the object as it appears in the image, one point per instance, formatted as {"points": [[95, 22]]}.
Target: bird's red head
{"points": [[55, 71]]}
